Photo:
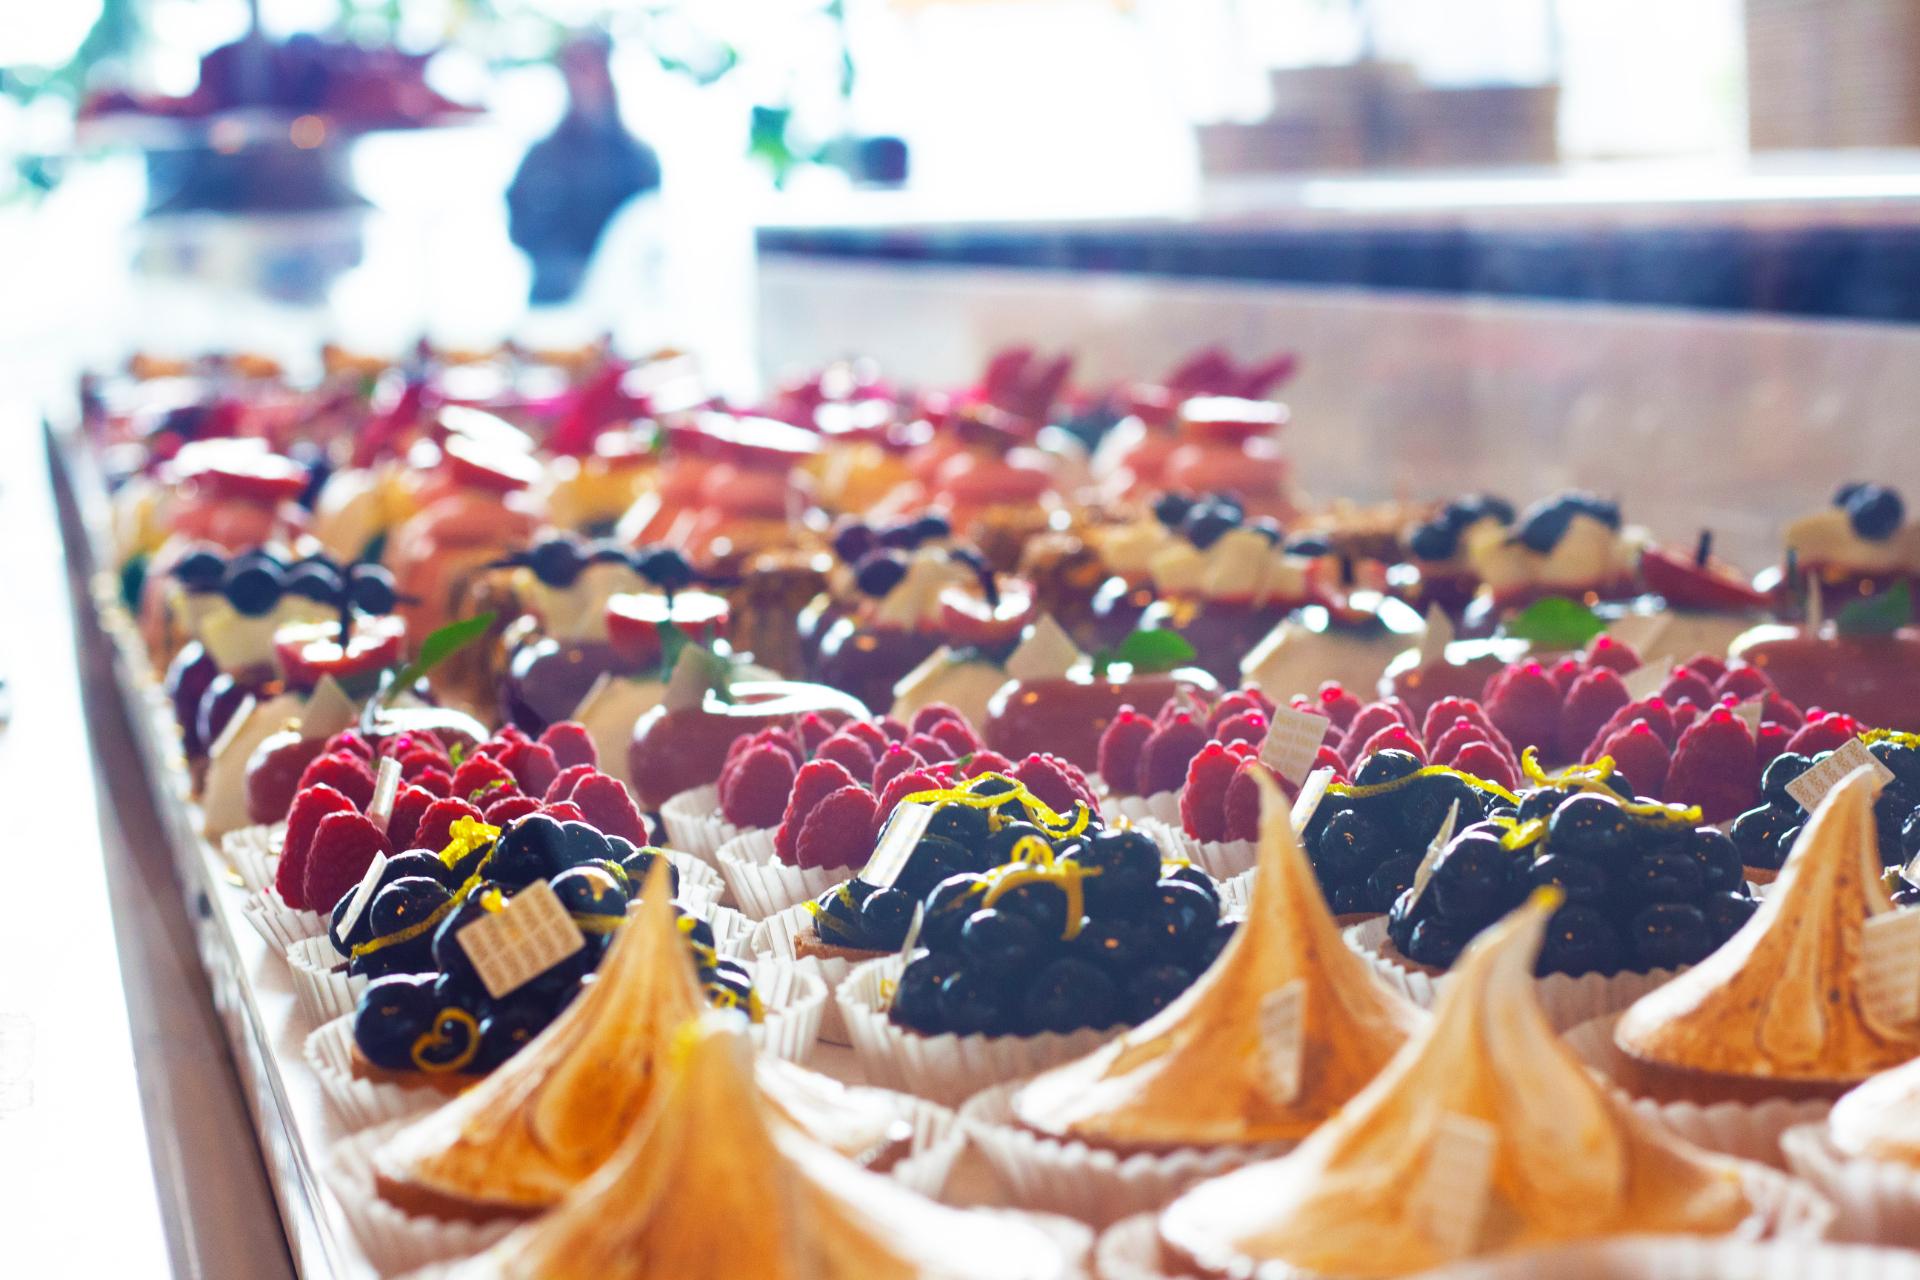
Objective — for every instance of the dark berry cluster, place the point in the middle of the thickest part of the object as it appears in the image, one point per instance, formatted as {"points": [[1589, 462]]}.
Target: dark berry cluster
{"points": [[1765, 833], [1439, 538], [560, 560], [878, 554], [1645, 888], [1873, 510], [1206, 519], [254, 582], [1543, 524]]}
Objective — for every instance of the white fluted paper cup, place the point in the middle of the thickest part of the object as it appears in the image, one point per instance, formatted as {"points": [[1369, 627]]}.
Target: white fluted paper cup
{"points": [[1089, 1183], [1692, 1258], [1162, 807], [1875, 1201], [1221, 859], [933, 1150], [793, 999], [322, 987], [732, 932], [254, 853], [396, 1241], [695, 824], [779, 936], [357, 1102], [278, 923], [947, 1068], [701, 887], [1568, 1000], [763, 885]]}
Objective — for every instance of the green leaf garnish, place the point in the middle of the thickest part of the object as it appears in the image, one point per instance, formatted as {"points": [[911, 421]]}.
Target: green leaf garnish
{"points": [[440, 646], [1555, 622], [1877, 615], [1153, 651], [674, 641]]}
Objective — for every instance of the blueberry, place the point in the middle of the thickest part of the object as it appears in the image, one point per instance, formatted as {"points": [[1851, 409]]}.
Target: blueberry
{"points": [[314, 580], [916, 1001], [252, 587], [1719, 859], [931, 527], [1588, 824], [948, 906], [885, 917], [404, 903], [1208, 521], [1875, 511], [697, 932], [1042, 903], [837, 919], [1472, 882], [898, 537], [392, 1013], [639, 865], [1543, 524], [729, 986], [1910, 836], [1579, 940], [852, 541], [581, 843], [959, 822], [1665, 876], [1756, 834], [1783, 846], [973, 1002], [1902, 760], [1170, 509], [1433, 541], [1405, 912], [1780, 771], [1269, 528], [1128, 864], [1466, 510], [879, 573], [1539, 804], [607, 551], [1190, 874], [372, 589], [999, 845], [666, 568], [999, 942], [1352, 844], [1178, 919], [1216, 943], [1390, 879], [1351, 899], [1118, 946], [1154, 988], [590, 891], [1310, 545], [534, 848], [1386, 766], [1437, 943], [1067, 994], [1584, 881], [456, 1036], [448, 955], [200, 571], [509, 1028], [1423, 805], [1606, 511], [1727, 912], [935, 859], [1667, 935], [1845, 492], [1890, 810]]}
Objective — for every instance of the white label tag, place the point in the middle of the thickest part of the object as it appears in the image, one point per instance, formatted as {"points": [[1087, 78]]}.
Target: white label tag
{"points": [[1450, 1200], [1890, 968], [1640, 632], [1044, 654], [1312, 792], [1293, 740], [1283, 1015], [386, 785], [1435, 846], [1645, 680], [1435, 639], [328, 711], [601, 684], [513, 946], [1816, 606], [1812, 786], [362, 894], [1750, 712], [897, 843]]}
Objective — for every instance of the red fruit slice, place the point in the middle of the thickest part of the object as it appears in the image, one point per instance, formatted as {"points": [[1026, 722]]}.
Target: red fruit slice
{"points": [[306, 651], [634, 622], [840, 830], [1715, 586], [1166, 755], [303, 819], [241, 470], [343, 847], [1714, 766], [1640, 754]]}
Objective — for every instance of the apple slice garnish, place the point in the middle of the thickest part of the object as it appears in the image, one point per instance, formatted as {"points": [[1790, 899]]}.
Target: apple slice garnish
{"points": [[1687, 583], [971, 619], [309, 650], [634, 621]]}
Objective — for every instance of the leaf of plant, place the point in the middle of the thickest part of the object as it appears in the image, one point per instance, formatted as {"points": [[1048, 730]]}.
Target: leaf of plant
{"points": [[1555, 622], [440, 646], [1877, 615], [1154, 650]]}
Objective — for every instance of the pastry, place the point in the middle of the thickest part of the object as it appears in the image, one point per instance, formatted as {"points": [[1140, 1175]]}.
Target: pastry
{"points": [[1572, 544], [682, 744]]}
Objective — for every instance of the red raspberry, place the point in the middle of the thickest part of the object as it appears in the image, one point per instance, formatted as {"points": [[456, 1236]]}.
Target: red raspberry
{"points": [[436, 780], [1248, 726], [1770, 742], [1441, 715], [1338, 704], [1370, 719], [1742, 681], [508, 810], [1483, 760], [1605, 651], [1654, 710], [408, 808], [896, 761], [350, 741], [1241, 810], [570, 743], [1714, 766], [958, 735], [1777, 709], [508, 734], [1707, 666], [608, 806], [1118, 759], [1057, 782], [565, 781], [533, 766], [902, 785], [418, 760], [1164, 759], [987, 762], [1328, 758], [482, 779], [401, 743], [564, 811], [436, 824], [932, 714], [1239, 702], [813, 730], [310, 805], [895, 731], [343, 847], [1395, 737], [1455, 740], [1684, 714], [754, 792], [855, 756], [1640, 754], [1564, 673], [840, 831], [1203, 802], [1524, 705], [869, 733], [1591, 702], [344, 772], [1684, 685], [1828, 732], [816, 780]]}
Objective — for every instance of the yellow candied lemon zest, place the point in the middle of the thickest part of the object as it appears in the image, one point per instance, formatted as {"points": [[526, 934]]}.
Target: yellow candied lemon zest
{"points": [[1046, 868], [1520, 834], [453, 1013], [1872, 736], [704, 955], [1593, 777], [1036, 809], [589, 922], [466, 836], [1354, 792]]}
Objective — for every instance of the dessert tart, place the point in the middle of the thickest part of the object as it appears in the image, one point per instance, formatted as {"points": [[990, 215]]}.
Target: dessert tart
{"points": [[1144, 758], [1212, 1079], [1351, 642], [473, 512], [1483, 1136], [1438, 553], [707, 1151], [1861, 544], [1133, 453], [683, 743], [1572, 544], [1865, 1157], [1766, 833], [1225, 588], [1063, 708]]}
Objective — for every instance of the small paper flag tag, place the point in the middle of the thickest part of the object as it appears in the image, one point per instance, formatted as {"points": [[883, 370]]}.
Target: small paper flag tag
{"points": [[897, 843], [1307, 803], [513, 946], [386, 786], [1435, 639], [1435, 846], [362, 894], [1645, 680], [1750, 713], [1890, 969], [1293, 740], [1044, 654], [1283, 1016], [1812, 786], [1450, 1200]]}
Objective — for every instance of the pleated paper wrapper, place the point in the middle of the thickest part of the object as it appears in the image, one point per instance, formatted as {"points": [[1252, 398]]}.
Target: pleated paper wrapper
{"points": [[764, 886]]}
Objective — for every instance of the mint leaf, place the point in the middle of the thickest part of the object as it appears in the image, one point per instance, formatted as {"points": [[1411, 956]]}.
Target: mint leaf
{"points": [[1555, 622], [1102, 659], [1877, 615], [1154, 651]]}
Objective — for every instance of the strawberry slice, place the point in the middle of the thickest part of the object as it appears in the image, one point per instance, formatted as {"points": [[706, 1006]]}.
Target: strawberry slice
{"points": [[634, 621], [1685, 584], [307, 651], [241, 471], [968, 619], [487, 465]]}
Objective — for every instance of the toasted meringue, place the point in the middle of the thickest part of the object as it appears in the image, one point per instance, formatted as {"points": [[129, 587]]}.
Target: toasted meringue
{"points": [[711, 1182], [1784, 998], [1199, 1072], [1485, 1134], [1880, 1120]]}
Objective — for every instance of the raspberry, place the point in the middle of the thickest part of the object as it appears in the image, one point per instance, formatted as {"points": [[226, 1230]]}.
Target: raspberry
{"points": [[840, 830], [1239, 702], [902, 785], [1164, 759], [350, 741], [1591, 702], [608, 806], [1203, 801], [344, 772], [1742, 682], [1395, 737], [1770, 742], [1683, 685], [1455, 740], [1328, 758], [436, 780], [1337, 704], [1777, 709], [565, 781], [1248, 726], [1564, 673], [570, 743], [895, 731], [436, 824], [1828, 732], [754, 792], [563, 811], [533, 766], [401, 743], [1714, 766], [855, 756], [869, 733], [816, 780], [1444, 711], [958, 735], [508, 734], [814, 730], [508, 810], [1241, 810], [927, 746], [310, 805], [1482, 760], [1707, 666], [987, 762], [481, 779], [896, 761], [1370, 719], [418, 760], [408, 808], [1617, 655], [1057, 783], [1523, 704], [1684, 714], [1118, 759], [343, 847], [1638, 752], [932, 714]]}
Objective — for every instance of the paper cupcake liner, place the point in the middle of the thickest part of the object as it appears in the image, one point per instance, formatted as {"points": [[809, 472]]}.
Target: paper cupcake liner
{"points": [[1236, 894], [763, 885], [701, 887], [938, 1140], [394, 1241], [1082, 1181], [695, 824], [322, 987], [254, 853], [1162, 807], [280, 924], [777, 935], [1221, 859], [1568, 1001], [1875, 1201], [946, 1068], [356, 1102], [794, 998], [732, 932]]}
